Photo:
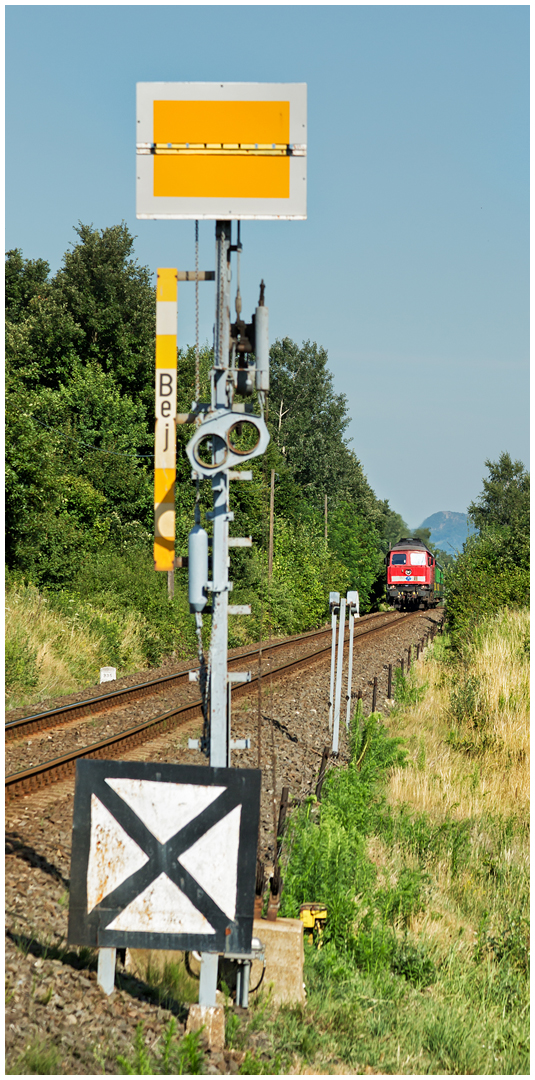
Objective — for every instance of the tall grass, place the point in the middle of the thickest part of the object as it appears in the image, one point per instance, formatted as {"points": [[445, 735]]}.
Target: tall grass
{"points": [[473, 726], [56, 647], [420, 850]]}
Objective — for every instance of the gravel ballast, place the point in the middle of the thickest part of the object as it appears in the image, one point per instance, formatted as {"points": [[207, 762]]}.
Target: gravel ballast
{"points": [[52, 997]]}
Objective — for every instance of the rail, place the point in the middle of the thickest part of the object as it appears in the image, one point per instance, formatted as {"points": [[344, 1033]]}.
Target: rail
{"points": [[29, 780], [43, 721]]}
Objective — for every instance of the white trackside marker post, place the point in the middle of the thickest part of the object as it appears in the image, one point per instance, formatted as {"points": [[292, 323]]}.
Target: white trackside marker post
{"points": [[334, 600], [339, 665], [106, 970], [353, 608]]}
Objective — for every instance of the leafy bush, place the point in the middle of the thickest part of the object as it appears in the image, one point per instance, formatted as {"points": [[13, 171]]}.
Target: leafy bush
{"points": [[414, 964], [492, 571], [405, 898], [406, 690], [326, 857]]}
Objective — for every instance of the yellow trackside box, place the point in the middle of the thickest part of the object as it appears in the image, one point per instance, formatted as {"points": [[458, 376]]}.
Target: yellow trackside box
{"points": [[313, 916]]}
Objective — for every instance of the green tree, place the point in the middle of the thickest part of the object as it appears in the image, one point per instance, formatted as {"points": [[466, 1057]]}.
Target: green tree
{"points": [[111, 298], [492, 570], [421, 534], [24, 280], [307, 422], [390, 525], [505, 496], [356, 543]]}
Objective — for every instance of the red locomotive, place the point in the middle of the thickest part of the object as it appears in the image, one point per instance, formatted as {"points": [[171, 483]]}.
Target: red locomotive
{"points": [[414, 579]]}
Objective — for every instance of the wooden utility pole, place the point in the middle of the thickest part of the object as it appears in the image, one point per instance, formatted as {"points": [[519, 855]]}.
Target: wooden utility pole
{"points": [[325, 517], [170, 584], [271, 510]]}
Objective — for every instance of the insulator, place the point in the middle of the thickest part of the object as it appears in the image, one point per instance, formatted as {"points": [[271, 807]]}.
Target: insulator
{"points": [[262, 348], [244, 382], [198, 568]]}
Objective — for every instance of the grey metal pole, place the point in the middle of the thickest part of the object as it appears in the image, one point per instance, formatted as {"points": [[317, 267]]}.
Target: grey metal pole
{"points": [[220, 582], [340, 660], [350, 664], [333, 661], [220, 514]]}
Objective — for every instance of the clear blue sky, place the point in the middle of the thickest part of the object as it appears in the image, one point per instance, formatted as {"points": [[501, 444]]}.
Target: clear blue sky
{"points": [[412, 268]]}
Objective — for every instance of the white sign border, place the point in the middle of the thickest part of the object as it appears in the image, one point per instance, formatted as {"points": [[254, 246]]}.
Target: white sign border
{"points": [[151, 207]]}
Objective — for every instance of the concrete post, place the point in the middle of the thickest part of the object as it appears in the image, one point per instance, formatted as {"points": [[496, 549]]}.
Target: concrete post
{"points": [[106, 970]]}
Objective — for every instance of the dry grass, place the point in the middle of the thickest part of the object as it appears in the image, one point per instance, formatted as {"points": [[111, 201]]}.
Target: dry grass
{"points": [[440, 924], [469, 736], [52, 653]]}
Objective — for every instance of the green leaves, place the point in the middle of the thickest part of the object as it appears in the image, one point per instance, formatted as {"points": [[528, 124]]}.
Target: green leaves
{"points": [[24, 280], [492, 571], [504, 500], [356, 542], [112, 300], [307, 423]]}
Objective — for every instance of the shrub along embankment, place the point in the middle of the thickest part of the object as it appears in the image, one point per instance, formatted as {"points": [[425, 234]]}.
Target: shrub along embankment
{"points": [[420, 850], [115, 610]]}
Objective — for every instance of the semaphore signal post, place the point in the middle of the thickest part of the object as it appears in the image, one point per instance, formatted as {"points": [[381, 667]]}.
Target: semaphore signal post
{"points": [[226, 152]]}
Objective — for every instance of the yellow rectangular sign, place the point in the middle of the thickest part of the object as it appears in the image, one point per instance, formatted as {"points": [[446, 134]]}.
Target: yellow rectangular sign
{"points": [[204, 122], [221, 150], [227, 177]]}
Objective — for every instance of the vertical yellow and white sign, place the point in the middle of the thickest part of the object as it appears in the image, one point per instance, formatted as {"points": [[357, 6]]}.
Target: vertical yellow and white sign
{"points": [[165, 431]]}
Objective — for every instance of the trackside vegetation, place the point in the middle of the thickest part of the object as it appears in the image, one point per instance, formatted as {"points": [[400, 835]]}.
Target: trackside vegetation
{"points": [[420, 850], [82, 591], [492, 571]]}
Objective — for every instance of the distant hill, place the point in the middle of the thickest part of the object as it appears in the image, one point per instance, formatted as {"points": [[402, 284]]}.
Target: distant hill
{"points": [[448, 530]]}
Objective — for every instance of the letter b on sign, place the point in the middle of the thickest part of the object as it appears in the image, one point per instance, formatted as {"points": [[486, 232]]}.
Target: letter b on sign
{"points": [[165, 393]]}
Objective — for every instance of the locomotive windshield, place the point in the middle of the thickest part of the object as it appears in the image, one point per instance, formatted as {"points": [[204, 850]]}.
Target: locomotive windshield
{"points": [[418, 558], [399, 558]]}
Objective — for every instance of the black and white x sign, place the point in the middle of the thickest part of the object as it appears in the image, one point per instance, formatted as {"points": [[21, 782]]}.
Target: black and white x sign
{"points": [[163, 856]]}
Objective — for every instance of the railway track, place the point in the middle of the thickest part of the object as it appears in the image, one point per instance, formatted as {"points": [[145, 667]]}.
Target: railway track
{"points": [[38, 776], [44, 721]]}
